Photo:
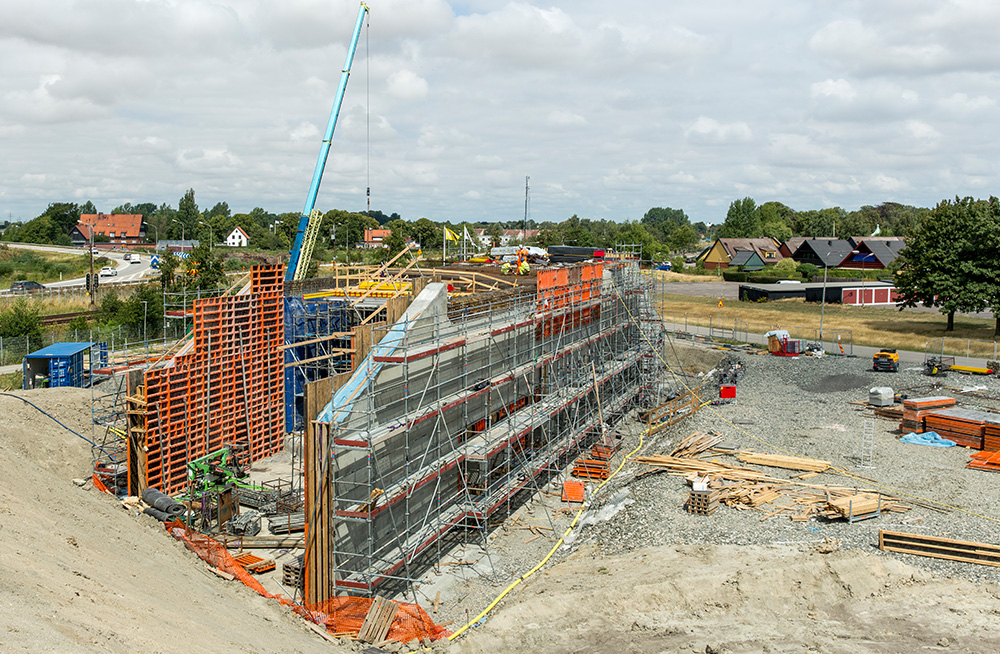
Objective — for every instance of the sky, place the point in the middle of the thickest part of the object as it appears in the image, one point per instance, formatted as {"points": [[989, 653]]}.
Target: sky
{"points": [[610, 108]]}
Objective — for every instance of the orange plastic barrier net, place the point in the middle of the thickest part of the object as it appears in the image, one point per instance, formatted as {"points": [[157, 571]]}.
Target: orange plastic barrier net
{"points": [[340, 615]]}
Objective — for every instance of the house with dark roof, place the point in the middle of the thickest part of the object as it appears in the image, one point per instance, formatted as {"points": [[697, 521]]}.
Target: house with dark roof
{"points": [[788, 248], [747, 260], [873, 253], [722, 251], [120, 228], [822, 252]]}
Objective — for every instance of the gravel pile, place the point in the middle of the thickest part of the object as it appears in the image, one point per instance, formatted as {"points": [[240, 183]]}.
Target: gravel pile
{"points": [[802, 406]]}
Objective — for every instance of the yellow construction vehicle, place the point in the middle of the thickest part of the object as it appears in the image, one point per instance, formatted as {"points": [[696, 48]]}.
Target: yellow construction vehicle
{"points": [[885, 360]]}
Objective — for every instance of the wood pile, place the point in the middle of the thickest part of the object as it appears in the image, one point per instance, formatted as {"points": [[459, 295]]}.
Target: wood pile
{"points": [[378, 621], [685, 466], [966, 427], [915, 409], [696, 443], [860, 504], [939, 548], [782, 461]]}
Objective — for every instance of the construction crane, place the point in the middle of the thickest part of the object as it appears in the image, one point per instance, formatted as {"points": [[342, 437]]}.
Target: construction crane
{"points": [[305, 237]]}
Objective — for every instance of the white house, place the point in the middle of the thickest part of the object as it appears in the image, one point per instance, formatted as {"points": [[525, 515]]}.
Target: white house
{"points": [[237, 238]]}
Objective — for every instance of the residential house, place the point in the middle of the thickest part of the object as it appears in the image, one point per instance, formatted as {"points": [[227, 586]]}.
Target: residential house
{"points": [[237, 238], [822, 252], [873, 253], [789, 247], [120, 228], [722, 251], [747, 260], [509, 235], [375, 238]]}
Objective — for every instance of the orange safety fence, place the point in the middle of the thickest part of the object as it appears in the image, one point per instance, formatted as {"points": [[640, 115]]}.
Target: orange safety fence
{"points": [[340, 615]]}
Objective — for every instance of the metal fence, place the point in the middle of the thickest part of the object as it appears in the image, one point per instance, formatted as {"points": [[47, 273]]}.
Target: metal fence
{"points": [[966, 351], [118, 338], [722, 328]]}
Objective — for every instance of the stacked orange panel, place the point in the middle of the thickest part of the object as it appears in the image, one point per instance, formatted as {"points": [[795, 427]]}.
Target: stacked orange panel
{"points": [[226, 390]]}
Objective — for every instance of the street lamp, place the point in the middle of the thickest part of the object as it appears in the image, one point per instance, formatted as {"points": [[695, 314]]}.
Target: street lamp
{"points": [[211, 234], [156, 230], [174, 220]]}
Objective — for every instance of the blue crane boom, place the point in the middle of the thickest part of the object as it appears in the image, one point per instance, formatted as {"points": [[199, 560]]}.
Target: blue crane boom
{"points": [[305, 237]]}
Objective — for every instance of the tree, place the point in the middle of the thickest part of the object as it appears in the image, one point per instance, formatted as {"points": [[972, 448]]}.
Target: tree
{"points": [[684, 238], [495, 232], [945, 263], [204, 269], [169, 265], [426, 233], [20, 318], [742, 220], [663, 222], [187, 215]]}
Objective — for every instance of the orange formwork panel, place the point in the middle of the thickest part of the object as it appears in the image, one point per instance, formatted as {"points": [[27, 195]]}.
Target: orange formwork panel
{"points": [[227, 389]]}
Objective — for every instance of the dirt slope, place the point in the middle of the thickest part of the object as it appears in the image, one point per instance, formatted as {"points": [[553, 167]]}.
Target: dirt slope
{"points": [[80, 574], [736, 599]]}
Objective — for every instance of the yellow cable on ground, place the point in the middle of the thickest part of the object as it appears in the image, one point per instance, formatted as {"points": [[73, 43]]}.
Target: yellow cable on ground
{"points": [[554, 547]]}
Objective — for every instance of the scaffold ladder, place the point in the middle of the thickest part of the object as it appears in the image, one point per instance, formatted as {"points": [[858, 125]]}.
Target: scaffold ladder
{"points": [[868, 443]]}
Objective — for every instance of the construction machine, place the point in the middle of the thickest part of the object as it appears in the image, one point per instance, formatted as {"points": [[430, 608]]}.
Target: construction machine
{"points": [[309, 222], [886, 361]]}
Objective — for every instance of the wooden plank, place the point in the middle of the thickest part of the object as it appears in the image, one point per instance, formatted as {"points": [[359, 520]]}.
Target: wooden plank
{"points": [[320, 339], [939, 548]]}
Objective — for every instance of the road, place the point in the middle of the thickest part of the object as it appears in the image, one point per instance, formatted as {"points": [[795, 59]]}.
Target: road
{"points": [[127, 272]]}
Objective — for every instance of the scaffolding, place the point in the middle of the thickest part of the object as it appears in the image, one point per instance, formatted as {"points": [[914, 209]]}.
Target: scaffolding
{"points": [[455, 417]]}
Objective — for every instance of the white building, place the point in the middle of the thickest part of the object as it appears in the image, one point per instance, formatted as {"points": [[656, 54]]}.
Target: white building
{"points": [[237, 238]]}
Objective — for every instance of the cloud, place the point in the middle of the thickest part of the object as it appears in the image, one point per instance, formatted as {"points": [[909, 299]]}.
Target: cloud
{"points": [[47, 103], [557, 118], [406, 85], [710, 131]]}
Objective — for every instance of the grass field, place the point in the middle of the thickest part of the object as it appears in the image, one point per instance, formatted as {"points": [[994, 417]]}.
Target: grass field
{"points": [[872, 326], [17, 264]]}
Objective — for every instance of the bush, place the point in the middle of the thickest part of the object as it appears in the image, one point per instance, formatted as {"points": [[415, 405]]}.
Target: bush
{"points": [[735, 275], [807, 270], [785, 266], [20, 318]]}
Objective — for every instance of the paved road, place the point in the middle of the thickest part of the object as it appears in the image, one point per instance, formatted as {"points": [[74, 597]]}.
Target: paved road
{"points": [[126, 271]]}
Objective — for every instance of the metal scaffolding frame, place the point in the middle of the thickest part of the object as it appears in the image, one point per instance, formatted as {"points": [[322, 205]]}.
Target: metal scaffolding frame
{"points": [[464, 416]]}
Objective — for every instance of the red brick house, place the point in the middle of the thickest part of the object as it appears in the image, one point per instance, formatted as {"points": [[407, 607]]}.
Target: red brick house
{"points": [[121, 229]]}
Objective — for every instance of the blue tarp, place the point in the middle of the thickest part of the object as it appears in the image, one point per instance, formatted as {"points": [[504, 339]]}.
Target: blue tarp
{"points": [[930, 438]]}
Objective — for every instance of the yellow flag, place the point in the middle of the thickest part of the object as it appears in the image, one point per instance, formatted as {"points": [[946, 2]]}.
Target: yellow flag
{"points": [[450, 235]]}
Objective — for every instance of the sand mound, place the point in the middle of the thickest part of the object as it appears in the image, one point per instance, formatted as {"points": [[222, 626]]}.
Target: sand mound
{"points": [[80, 574]]}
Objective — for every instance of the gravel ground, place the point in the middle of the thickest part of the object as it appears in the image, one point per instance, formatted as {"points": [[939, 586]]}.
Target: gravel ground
{"points": [[802, 406]]}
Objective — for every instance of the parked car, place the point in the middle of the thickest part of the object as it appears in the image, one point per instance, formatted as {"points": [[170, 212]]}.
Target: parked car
{"points": [[108, 271], [666, 265], [26, 286]]}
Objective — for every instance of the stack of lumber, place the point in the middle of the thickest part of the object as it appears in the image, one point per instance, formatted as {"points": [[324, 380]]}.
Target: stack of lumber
{"points": [[686, 466], [591, 468], [291, 573], [985, 460], [702, 502], [800, 502], [915, 409], [853, 506], [696, 443], [991, 434], [782, 461], [378, 621], [964, 426], [288, 523]]}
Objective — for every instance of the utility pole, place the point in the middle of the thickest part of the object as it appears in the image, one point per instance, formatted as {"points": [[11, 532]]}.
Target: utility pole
{"points": [[92, 286], [524, 231]]}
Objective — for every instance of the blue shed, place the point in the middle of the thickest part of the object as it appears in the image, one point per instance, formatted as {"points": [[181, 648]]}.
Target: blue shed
{"points": [[60, 364]]}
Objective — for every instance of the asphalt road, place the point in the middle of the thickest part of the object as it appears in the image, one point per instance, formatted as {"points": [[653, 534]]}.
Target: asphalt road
{"points": [[127, 271]]}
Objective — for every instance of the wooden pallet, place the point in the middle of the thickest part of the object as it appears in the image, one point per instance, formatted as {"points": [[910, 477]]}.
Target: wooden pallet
{"points": [[380, 617], [939, 548], [253, 563], [702, 502]]}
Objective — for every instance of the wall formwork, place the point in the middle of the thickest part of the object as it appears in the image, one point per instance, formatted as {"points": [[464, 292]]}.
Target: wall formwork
{"points": [[225, 386], [462, 415]]}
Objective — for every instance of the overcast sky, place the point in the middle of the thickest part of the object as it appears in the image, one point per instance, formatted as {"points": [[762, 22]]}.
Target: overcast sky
{"points": [[610, 107]]}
